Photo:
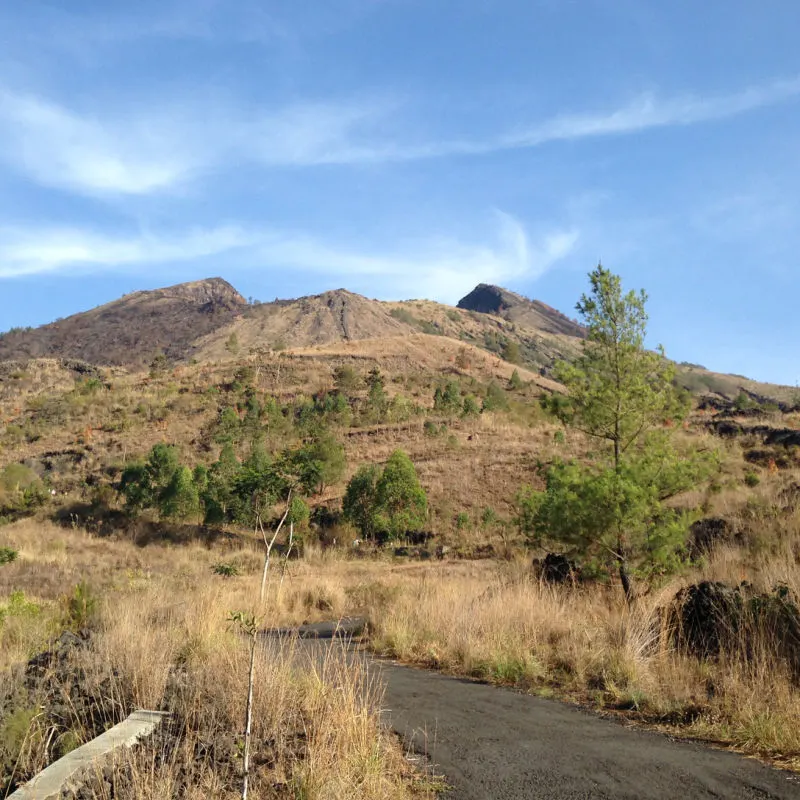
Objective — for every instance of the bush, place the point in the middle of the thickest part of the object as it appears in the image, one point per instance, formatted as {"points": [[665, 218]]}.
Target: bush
{"points": [[751, 479], [7, 555], [495, 399], [225, 570], [388, 504], [81, 605], [515, 383], [471, 407]]}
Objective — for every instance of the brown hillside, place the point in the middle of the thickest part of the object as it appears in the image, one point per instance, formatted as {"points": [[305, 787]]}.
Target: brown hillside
{"points": [[335, 316], [132, 330]]}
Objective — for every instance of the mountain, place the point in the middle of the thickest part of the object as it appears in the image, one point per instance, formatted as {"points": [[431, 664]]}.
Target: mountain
{"points": [[209, 321], [487, 299], [132, 330]]}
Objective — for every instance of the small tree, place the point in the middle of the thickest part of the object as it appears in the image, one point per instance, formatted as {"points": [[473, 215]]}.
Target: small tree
{"points": [[619, 393], [359, 499], [515, 382], [401, 505], [447, 398], [495, 399], [180, 499], [143, 484], [378, 400], [511, 351], [346, 379]]}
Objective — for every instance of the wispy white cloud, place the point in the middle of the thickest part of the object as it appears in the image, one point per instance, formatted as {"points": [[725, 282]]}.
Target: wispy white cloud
{"points": [[59, 147], [33, 251], [146, 151], [438, 268], [153, 151]]}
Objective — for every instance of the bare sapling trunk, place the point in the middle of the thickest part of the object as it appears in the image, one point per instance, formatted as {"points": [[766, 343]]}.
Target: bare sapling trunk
{"points": [[247, 623], [269, 544], [248, 727], [624, 575], [285, 565]]}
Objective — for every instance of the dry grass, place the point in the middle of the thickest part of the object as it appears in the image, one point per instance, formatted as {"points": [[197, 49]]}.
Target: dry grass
{"points": [[587, 645], [162, 639]]}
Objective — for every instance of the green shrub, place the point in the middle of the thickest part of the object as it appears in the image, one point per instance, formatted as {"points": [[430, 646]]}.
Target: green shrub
{"points": [[225, 570], [81, 605], [515, 383], [471, 407], [462, 521], [751, 479], [7, 555]]}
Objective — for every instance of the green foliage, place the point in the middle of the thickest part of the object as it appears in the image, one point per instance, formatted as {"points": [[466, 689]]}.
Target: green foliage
{"points": [[143, 484], [317, 464], [81, 606], [7, 555], [619, 393], [359, 500], [511, 352], [489, 517], [744, 402], [495, 399], [470, 407], [405, 316], [17, 727], [19, 606], [617, 389], [180, 499], [346, 379], [299, 512], [526, 510], [462, 521], [559, 437], [229, 427], [377, 399], [386, 504], [453, 315], [225, 570], [433, 429], [515, 383], [401, 505], [447, 398], [751, 479], [21, 490], [232, 344]]}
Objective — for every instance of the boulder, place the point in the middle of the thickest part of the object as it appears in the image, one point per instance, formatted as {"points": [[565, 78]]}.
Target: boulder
{"points": [[706, 534], [556, 568]]}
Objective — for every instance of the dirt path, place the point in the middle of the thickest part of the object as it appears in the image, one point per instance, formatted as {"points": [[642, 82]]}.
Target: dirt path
{"points": [[497, 744]]}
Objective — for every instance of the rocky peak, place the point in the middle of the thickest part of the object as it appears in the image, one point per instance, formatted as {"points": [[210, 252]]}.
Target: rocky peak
{"points": [[488, 299]]}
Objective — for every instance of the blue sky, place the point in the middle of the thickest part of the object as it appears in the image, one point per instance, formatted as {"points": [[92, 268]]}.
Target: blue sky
{"points": [[411, 148]]}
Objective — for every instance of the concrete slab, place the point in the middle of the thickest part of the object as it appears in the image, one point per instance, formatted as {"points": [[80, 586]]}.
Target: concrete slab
{"points": [[49, 783]]}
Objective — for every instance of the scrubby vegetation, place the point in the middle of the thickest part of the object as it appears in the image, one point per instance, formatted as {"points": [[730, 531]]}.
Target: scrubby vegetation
{"points": [[584, 524]]}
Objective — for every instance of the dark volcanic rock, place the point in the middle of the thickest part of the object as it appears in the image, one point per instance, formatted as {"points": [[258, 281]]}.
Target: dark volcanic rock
{"points": [[556, 568], [487, 299]]}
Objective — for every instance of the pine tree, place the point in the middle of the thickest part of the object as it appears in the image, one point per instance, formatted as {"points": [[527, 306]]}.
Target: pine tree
{"points": [[622, 394]]}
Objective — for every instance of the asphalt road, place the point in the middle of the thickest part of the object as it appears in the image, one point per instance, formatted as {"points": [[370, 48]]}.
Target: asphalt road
{"points": [[495, 743]]}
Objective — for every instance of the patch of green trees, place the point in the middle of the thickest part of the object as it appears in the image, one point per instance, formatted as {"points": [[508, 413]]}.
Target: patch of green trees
{"points": [[231, 490], [386, 503]]}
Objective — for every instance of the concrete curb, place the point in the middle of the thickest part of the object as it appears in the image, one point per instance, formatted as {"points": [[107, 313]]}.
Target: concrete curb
{"points": [[49, 783]]}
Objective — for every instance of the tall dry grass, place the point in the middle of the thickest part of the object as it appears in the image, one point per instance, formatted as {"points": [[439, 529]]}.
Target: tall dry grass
{"points": [[161, 639], [587, 644]]}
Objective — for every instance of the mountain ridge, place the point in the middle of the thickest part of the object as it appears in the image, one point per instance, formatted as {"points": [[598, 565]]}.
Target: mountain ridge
{"points": [[210, 321]]}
